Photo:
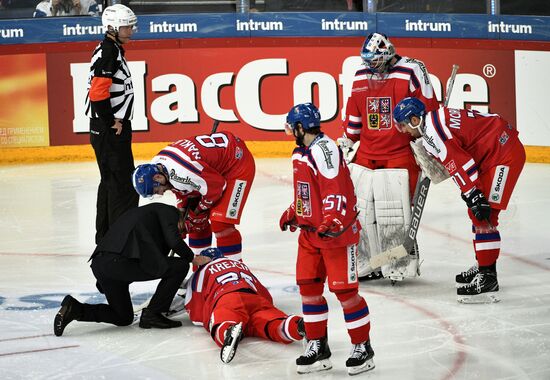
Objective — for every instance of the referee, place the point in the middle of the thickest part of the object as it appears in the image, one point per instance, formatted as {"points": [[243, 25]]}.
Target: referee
{"points": [[110, 106]]}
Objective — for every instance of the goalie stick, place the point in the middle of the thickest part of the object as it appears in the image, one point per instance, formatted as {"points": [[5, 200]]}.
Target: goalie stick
{"points": [[408, 244], [327, 233], [419, 201]]}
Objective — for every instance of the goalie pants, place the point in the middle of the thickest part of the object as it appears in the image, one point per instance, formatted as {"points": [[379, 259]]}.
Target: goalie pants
{"points": [[115, 194], [259, 316], [405, 162]]}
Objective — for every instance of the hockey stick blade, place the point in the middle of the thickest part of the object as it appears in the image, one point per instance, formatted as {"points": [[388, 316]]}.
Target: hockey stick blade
{"points": [[387, 256], [408, 244]]}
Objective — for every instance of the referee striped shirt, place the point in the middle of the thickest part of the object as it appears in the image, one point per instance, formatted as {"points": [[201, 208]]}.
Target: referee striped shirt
{"points": [[109, 78]]}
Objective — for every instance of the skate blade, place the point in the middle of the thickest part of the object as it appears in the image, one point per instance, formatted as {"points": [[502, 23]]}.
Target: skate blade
{"points": [[366, 366], [479, 298], [321, 365], [228, 352]]}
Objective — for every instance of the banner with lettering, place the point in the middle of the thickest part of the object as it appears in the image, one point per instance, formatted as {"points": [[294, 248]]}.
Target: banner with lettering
{"points": [[299, 24], [179, 92]]}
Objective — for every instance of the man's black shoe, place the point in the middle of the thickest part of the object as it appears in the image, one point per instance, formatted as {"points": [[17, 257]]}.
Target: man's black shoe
{"points": [[70, 310], [150, 319]]}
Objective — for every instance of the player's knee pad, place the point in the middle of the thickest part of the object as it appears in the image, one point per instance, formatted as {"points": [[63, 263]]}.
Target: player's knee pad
{"points": [[222, 229], [348, 297], [310, 291], [228, 239]]}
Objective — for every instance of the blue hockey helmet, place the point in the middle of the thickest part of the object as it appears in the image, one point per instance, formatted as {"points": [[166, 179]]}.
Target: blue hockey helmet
{"points": [[213, 253], [377, 51], [406, 109], [306, 114], [143, 179]]}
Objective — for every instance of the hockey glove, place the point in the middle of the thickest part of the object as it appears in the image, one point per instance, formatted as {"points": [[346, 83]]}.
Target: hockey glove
{"points": [[479, 205], [330, 223], [288, 219], [196, 221]]}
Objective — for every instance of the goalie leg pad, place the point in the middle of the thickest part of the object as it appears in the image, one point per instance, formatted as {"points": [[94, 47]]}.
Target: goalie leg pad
{"points": [[368, 244], [393, 216]]}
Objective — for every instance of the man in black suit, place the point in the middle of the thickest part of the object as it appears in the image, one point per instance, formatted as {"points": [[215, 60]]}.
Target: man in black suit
{"points": [[135, 248]]}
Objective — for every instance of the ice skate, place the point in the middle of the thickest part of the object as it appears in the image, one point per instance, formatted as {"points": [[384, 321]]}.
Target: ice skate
{"points": [[233, 336], [482, 289], [467, 276], [361, 359], [315, 358]]}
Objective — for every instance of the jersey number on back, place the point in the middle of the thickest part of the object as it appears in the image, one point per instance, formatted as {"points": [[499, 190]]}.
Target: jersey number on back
{"points": [[216, 140]]}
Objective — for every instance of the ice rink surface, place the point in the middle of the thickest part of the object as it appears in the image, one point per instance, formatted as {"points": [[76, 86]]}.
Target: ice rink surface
{"points": [[419, 331]]}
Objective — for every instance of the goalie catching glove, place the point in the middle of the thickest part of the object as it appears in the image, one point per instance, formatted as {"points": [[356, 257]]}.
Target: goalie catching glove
{"points": [[288, 219], [331, 223], [479, 205]]}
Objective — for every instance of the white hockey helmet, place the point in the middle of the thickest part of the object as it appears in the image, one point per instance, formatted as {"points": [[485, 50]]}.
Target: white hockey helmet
{"points": [[118, 15], [377, 52]]}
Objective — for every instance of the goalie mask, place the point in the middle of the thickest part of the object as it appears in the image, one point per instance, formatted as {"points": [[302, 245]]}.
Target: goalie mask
{"points": [[116, 16], [143, 179], [305, 115], [377, 52], [405, 110]]}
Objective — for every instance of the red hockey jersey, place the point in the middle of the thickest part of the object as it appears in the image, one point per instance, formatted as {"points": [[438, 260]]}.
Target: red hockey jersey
{"points": [[370, 106], [212, 281], [201, 164], [322, 184], [467, 142]]}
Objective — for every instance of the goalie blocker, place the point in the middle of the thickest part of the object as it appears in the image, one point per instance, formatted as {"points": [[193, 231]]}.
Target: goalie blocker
{"points": [[385, 214]]}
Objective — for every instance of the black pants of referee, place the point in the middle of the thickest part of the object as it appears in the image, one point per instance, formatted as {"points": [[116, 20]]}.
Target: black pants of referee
{"points": [[115, 160], [115, 273]]}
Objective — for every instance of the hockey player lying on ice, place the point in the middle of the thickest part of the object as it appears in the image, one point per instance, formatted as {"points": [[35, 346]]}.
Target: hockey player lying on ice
{"points": [[229, 301]]}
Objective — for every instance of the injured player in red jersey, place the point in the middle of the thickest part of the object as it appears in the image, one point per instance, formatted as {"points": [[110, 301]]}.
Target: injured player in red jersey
{"points": [[231, 303]]}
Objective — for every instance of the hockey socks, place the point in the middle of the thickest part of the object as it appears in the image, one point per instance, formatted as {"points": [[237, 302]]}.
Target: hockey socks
{"points": [[315, 316]]}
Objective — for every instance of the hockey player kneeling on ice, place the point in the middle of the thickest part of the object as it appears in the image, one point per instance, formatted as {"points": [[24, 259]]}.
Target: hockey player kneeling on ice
{"points": [[484, 156], [385, 214], [231, 303], [324, 208]]}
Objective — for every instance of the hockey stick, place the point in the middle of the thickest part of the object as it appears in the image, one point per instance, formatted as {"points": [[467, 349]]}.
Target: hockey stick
{"points": [[145, 303], [419, 201], [327, 233], [450, 85], [215, 126]]}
